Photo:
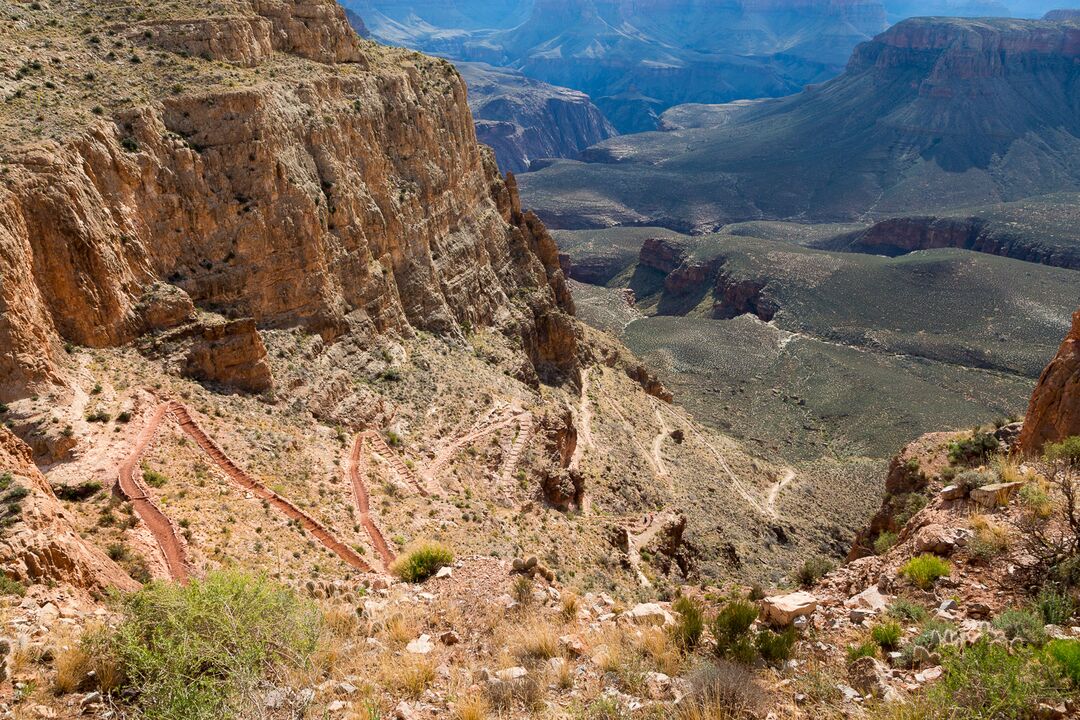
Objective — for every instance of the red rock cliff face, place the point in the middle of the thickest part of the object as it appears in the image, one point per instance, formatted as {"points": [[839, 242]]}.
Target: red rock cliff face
{"points": [[1054, 412], [356, 200]]}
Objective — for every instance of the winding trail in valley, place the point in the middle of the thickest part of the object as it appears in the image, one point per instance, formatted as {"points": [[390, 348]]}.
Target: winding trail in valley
{"points": [[774, 492], [362, 498], [131, 486]]}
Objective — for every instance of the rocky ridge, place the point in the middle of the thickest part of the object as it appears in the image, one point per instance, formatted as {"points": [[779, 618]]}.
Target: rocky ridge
{"points": [[366, 204]]}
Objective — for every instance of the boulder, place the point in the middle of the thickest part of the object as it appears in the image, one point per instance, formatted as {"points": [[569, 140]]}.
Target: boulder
{"points": [[995, 495], [953, 492], [783, 609], [940, 540], [421, 645], [649, 614], [870, 599], [869, 676]]}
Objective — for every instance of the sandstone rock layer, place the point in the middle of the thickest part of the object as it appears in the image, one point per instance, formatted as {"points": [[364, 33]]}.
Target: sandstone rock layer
{"points": [[1054, 412], [353, 200]]}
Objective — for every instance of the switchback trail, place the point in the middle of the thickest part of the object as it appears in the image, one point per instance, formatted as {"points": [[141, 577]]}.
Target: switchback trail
{"points": [[525, 430], [485, 427], [363, 503], [130, 484], [649, 529], [188, 425]]}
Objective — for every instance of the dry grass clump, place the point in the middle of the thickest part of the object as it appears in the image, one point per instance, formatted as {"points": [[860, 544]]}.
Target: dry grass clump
{"points": [[991, 538], [537, 641], [72, 664], [571, 603], [408, 676], [473, 707], [723, 690], [401, 628], [660, 650]]}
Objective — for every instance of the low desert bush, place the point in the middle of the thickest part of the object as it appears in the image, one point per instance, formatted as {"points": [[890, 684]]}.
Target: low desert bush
{"points": [[887, 635], [884, 542], [1066, 653], [9, 586], [1023, 625], [925, 570], [1054, 606], [812, 570], [422, 561], [974, 449], [904, 609], [988, 680], [866, 649], [200, 650], [776, 647], [690, 625], [731, 630]]}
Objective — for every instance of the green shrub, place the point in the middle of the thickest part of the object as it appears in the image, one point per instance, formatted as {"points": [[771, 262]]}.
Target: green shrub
{"points": [[866, 649], [1066, 451], [776, 647], [972, 479], [78, 493], [812, 570], [925, 570], [887, 635], [422, 562], [904, 609], [691, 623], [906, 506], [154, 479], [10, 586], [98, 416], [731, 629], [973, 450], [988, 680], [1023, 625], [1067, 654], [884, 542], [197, 651], [1055, 608]]}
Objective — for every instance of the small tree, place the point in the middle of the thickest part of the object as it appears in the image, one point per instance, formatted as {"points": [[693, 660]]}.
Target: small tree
{"points": [[1055, 540]]}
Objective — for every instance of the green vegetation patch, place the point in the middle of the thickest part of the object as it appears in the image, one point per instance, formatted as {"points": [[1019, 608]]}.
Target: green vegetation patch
{"points": [[197, 651], [925, 570], [422, 562]]}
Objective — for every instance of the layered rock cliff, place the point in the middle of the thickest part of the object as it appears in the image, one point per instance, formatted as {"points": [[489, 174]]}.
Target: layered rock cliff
{"points": [[899, 236], [1054, 412], [279, 169], [39, 543], [525, 120]]}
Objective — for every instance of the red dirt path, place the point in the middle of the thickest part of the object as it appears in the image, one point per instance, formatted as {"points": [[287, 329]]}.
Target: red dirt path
{"points": [[158, 522], [363, 503], [188, 425]]}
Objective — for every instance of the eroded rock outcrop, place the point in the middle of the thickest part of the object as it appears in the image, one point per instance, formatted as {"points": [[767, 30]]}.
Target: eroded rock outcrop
{"points": [[1054, 412], [355, 200], [39, 543], [899, 236]]}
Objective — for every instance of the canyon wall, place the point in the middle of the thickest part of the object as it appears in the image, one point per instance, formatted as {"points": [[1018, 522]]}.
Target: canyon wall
{"points": [[1054, 412], [355, 200]]}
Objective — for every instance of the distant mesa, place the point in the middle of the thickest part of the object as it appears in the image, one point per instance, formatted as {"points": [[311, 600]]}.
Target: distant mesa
{"points": [[636, 59], [933, 114]]}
